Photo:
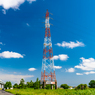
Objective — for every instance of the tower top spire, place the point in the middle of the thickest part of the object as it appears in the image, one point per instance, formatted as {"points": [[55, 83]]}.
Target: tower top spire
{"points": [[47, 13]]}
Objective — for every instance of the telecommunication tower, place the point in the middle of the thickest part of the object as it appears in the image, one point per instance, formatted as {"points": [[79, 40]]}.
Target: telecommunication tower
{"points": [[48, 71]]}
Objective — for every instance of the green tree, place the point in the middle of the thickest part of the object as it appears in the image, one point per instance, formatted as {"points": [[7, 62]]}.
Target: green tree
{"points": [[8, 84], [15, 85], [22, 84], [30, 84], [65, 86], [36, 85], [82, 86], [92, 84]]}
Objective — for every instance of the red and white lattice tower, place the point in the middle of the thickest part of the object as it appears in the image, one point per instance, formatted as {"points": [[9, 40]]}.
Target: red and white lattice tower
{"points": [[48, 70]]}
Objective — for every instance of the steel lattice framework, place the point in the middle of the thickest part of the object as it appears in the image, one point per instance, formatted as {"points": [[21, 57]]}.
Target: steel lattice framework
{"points": [[48, 71]]}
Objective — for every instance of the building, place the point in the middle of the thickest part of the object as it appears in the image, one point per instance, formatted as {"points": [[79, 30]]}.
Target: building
{"points": [[1, 84]]}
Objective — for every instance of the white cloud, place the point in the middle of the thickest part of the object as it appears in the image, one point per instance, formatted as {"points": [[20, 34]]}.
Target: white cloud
{"points": [[86, 64], [61, 57], [57, 67], [70, 70], [31, 69], [4, 11], [79, 74], [30, 1], [7, 54], [14, 4], [87, 73], [55, 57], [1, 43], [70, 44], [14, 78], [27, 24], [91, 72], [15, 72]]}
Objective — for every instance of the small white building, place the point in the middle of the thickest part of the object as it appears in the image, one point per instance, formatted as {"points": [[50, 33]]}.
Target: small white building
{"points": [[1, 84]]}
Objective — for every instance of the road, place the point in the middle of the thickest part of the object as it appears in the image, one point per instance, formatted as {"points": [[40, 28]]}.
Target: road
{"points": [[5, 93]]}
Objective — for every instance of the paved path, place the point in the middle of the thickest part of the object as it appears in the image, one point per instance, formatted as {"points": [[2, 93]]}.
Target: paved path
{"points": [[5, 93]]}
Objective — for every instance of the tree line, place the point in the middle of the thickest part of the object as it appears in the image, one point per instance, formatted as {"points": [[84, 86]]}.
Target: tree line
{"points": [[81, 86], [31, 84], [37, 85], [22, 85]]}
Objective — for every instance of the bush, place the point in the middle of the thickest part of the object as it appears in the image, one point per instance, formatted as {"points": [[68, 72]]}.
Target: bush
{"points": [[82, 86], [92, 84], [15, 85], [65, 86], [48, 86]]}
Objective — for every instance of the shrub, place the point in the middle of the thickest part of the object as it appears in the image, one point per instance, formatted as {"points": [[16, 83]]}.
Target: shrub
{"points": [[15, 85], [92, 84], [65, 86], [48, 86], [82, 86]]}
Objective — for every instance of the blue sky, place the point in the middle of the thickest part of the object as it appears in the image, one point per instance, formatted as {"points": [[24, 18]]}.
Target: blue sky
{"points": [[22, 37]]}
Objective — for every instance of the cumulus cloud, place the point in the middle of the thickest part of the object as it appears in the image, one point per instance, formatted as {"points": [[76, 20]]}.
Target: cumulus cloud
{"points": [[30, 1], [14, 4], [91, 72], [79, 74], [87, 73], [4, 11], [70, 70], [27, 24], [7, 54], [86, 64], [1, 43], [31, 69], [57, 67], [70, 44], [61, 57], [55, 57], [14, 78]]}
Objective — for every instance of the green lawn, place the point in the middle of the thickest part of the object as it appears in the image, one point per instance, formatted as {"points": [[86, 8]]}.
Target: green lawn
{"points": [[52, 92]]}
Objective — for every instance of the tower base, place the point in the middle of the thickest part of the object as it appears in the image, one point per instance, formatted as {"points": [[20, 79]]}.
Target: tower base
{"points": [[44, 84], [56, 85], [52, 83]]}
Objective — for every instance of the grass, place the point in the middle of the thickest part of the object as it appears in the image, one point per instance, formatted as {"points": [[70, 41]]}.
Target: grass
{"points": [[30, 91]]}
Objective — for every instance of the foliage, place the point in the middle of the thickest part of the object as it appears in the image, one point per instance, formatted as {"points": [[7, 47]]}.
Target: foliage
{"points": [[92, 84], [30, 84], [82, 86], [48, 86], [22, 84], [8, 84], [15, 85], [36, 85], [65, 86], [29, 91]]}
